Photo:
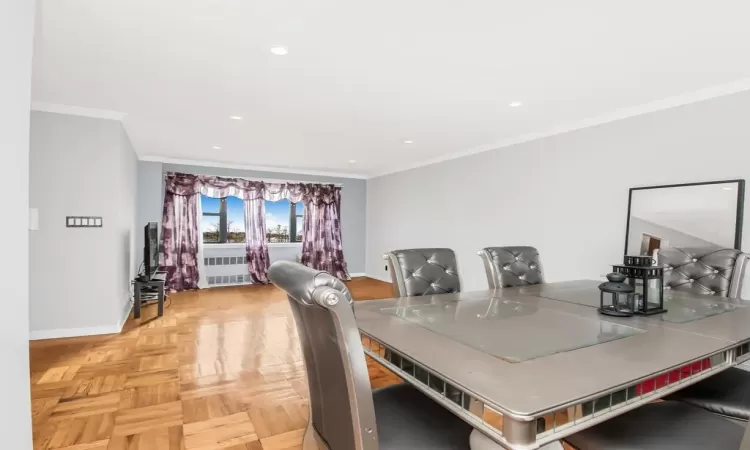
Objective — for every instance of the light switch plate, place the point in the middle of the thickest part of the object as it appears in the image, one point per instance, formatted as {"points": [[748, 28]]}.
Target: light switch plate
{"points": [[83, 222]]}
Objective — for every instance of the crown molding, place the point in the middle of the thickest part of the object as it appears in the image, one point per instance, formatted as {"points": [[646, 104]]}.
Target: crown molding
{"points": [[623, 113], [274, 169], [77, 111]]}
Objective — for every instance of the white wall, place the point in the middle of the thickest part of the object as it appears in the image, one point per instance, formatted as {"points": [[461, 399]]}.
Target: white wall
{"points": [[16, 44], [80, 277], [567, 194]]}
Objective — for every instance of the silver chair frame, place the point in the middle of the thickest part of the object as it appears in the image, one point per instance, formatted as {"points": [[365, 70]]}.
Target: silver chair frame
{"points": [[357, 377], [397, 277]]}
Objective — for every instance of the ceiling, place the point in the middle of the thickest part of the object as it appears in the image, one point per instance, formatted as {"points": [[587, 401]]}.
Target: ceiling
{"points": [[361, 77]]}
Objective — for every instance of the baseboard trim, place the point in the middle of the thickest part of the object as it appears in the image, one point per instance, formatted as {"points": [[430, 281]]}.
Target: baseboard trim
{"points": [[73, 332], [377, 277], [357, 274], [125, 315], [221, 285], [84, 331]]}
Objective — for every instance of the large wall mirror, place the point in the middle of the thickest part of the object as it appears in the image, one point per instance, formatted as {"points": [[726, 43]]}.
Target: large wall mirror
{"points": [[685, 215]]}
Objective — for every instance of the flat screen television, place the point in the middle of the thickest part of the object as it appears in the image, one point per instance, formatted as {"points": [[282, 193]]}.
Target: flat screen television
{"points": [[150, 249]]}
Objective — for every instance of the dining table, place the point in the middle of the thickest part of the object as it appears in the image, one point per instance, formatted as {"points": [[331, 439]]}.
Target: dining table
{"points": [[527, 366]]}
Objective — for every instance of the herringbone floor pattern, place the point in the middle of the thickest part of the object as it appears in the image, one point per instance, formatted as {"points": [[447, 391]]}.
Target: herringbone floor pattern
{"points": [[221, 370]]}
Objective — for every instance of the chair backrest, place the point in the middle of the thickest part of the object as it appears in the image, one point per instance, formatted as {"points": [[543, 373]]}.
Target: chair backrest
{"points": [[511, 266], [341, 405], [703, 270], [423, 271]]}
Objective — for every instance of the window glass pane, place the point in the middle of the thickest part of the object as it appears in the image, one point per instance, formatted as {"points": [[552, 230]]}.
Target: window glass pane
{"points": [[300, 222], [235, 220], [300, 208], [277, 221], [210, 228], [209, 205]]}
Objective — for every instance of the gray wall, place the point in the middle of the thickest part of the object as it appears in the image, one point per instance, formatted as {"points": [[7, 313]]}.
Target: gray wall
{"points": [[353, 198], [566, 194], [126, 221], [150, 199], [80, 277], [16, 41]]}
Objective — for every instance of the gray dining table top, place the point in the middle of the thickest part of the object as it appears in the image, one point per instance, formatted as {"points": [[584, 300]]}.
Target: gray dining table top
{"points": [[700, 314], [530, 350]]}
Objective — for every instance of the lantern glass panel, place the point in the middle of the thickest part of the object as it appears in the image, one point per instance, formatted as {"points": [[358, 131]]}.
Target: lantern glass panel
{"points": [[624, 301], [653, 290], [621, 302], [616, 297]]}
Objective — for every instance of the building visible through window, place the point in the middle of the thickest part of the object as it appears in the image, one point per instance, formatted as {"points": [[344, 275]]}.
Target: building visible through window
{"points": [[223, 220]]}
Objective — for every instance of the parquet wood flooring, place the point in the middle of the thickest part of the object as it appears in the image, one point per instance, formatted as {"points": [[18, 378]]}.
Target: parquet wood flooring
{"points": [[221, 370]]}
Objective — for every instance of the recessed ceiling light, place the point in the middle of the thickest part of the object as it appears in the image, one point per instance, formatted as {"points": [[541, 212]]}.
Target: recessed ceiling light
{"points": [[216, 147], [279, 50], [408, 141], [352, 161], [515, 104], [235, 117]]}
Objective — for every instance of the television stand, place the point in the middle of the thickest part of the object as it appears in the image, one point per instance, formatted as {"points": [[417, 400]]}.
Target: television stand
{"points": [[145, 288]]}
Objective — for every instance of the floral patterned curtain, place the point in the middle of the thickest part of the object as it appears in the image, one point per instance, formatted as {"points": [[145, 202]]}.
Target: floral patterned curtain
{"points": [[322, 248], [178, 255], [256, 247], [321, 241]]}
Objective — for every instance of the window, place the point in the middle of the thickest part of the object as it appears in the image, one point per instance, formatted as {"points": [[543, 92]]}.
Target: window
{"points": [[298, 220], [223, 220], [284, 221]]}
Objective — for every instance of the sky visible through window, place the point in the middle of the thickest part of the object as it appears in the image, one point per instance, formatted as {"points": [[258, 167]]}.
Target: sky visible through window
{"points": [[277, 213], [235, 213]]}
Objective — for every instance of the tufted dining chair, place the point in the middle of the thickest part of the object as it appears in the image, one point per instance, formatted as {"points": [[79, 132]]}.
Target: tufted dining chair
{"points": [[423, 271], [511, 266], [707, 271], [717, 272], [345, 414]]}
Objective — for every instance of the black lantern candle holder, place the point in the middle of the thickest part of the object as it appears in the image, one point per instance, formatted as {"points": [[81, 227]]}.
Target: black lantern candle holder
{"points": [[616, 298], [648, 283], [638, 260]]}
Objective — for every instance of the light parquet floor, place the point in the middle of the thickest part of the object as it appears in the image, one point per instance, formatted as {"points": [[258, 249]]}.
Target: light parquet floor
{"points": [[221, 370]]}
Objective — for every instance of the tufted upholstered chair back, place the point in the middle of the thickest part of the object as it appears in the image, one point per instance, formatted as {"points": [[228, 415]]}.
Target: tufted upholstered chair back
{"points": [[703, 270], [511, 266], [423, 271]]}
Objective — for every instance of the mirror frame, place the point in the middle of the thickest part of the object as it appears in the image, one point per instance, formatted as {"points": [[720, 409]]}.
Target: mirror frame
{"points": [[740, 206]]}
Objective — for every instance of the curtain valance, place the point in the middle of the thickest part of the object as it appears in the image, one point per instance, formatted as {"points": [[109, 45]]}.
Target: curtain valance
{"points": [[218, 187]]}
